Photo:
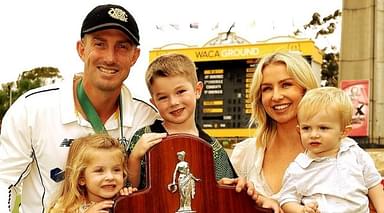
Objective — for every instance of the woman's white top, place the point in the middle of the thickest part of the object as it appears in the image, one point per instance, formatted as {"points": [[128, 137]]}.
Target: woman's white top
{"points": [[248, 161]]}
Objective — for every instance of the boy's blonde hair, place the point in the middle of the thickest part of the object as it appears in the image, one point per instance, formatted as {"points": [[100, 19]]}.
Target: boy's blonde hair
{"points": [[330, 99], [81, 152], [170, 65], [298, 68]]}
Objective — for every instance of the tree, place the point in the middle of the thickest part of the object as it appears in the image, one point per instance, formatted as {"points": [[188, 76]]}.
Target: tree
{"points": [[330, 66], [4, 99], [330, 69], [27, 80]]}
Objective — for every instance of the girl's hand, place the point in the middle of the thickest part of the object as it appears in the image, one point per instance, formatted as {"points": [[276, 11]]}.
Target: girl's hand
{"points": [[127, 191], [100, 207]]}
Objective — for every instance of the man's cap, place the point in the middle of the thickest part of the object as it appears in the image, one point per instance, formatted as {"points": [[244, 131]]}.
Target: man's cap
{"points": [[111, 16]]}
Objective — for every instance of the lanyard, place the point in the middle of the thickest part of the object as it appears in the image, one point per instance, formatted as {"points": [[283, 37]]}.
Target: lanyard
{"points": [[122, 139], [89, 110], [94, 118]]}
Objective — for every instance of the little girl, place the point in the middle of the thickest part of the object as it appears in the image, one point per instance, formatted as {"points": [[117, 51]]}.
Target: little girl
{"points": [[95, 173]]}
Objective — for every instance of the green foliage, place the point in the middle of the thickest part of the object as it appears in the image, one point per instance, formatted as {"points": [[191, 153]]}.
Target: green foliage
{"points": [[330, 69], [35, 78], [27, 80], [330, 66], [5, 96]]}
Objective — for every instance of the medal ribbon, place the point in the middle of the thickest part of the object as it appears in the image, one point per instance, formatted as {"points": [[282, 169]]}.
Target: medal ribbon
{"points": [[89, 109]]}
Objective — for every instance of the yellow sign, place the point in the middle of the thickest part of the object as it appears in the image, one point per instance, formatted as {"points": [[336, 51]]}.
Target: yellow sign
{"points": [[252, 70], [213, 103], [213, 92], [213, 110], [243, 51], [216, 71], [249, 75], [234, 132]]}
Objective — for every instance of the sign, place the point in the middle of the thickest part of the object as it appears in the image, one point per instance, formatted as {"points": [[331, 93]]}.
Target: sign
{"points": [[358, 91], [242, 51]]}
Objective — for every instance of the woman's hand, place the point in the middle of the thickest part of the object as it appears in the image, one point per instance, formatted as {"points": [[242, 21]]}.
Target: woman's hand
{"points": [[269, 203], [242, 184]]}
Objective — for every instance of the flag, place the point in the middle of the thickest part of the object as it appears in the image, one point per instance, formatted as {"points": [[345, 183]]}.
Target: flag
{"points": [[159, 27], [194, 25], [175, 26], [216, 26]]}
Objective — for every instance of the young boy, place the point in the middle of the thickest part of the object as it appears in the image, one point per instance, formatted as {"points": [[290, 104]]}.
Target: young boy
{"points": [[334, 174], [174, 88]]}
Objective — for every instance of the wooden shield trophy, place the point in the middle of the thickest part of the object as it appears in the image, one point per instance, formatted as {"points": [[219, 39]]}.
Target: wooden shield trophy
{"points": [[181, 178]]}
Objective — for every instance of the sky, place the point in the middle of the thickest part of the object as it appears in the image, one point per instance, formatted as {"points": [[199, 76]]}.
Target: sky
{"points": [[37, 33]]}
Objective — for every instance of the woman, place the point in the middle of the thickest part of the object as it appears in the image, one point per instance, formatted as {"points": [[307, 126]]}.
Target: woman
{"points": [[279, 82]]}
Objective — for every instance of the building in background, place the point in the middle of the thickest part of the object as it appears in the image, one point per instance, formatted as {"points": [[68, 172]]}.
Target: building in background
{"points": [[362, 58]]}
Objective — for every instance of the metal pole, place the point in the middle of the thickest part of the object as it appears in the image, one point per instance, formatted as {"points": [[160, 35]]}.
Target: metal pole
{"points": [[10, 87], [10, 97]]}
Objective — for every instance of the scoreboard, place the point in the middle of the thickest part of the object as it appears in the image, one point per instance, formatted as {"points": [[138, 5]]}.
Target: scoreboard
{"points": [[223, 103]]}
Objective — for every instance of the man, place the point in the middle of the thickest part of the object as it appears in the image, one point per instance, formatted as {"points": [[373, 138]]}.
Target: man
{"points": [[40, 125]]}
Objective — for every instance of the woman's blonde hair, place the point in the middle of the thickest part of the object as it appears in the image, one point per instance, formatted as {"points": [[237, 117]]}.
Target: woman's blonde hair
{"points": [[330, 99], [298, 68], [72, 195]]}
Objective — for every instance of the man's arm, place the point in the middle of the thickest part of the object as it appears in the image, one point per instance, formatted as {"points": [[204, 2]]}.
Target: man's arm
{"points": [[15, 154]]}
